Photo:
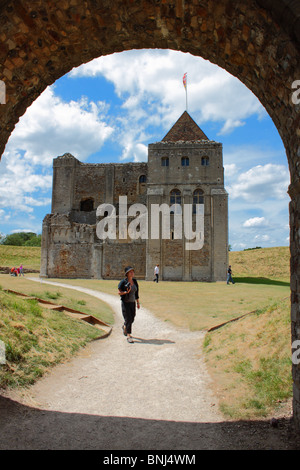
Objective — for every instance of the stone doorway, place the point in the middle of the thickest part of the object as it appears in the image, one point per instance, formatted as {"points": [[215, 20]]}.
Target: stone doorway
{"points": [[256, 41]]}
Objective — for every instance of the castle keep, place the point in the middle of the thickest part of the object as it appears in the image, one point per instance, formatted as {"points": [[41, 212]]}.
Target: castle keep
{"points": [[184, 168]]}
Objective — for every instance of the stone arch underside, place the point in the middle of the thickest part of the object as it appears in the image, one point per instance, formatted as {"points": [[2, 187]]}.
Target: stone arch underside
{"points": [[257, 41]]}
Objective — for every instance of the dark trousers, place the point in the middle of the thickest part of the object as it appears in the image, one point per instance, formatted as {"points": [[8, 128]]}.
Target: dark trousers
{"points": [[229, 278], [128, 312], [156, 278]]}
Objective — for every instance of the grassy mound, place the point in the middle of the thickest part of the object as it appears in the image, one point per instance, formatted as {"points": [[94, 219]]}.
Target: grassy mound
{"points": [[36, 338], [29, 256], [250, 362]]}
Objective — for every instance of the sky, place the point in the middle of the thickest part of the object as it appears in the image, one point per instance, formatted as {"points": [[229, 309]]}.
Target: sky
{"points": [[111, 108]]}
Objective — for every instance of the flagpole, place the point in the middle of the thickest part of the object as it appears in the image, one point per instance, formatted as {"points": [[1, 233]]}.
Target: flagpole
{"points": [[186, 102]]}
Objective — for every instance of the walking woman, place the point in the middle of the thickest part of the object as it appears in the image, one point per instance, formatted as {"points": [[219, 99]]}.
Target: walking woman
{"points": [[129, 293]]}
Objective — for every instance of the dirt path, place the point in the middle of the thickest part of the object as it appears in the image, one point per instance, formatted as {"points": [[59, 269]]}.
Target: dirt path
{"points": [[153, 394]]}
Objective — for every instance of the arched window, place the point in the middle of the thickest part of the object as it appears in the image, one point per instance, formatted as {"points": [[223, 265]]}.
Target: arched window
{"points": [[87, 205], [142, 184], [185, 161], [175, 197], [165, 161], [205, 161], [197, 199]]}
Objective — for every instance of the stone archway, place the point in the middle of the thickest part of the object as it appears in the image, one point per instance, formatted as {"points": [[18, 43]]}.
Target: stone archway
{"points": [[257, 41]]}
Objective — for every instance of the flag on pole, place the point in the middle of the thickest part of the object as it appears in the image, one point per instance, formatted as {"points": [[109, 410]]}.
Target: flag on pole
{"points": [[185, 86]]}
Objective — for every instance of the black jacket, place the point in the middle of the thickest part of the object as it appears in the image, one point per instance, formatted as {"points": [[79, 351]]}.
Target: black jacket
{"points": [[122, 285]]}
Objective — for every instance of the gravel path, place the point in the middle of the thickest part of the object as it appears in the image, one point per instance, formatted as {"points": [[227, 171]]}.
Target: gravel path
{"points": [[161, 376], [152, 394]]}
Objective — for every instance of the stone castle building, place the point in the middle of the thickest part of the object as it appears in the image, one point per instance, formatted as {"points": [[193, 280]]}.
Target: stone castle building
{"points": [[184, 168]]}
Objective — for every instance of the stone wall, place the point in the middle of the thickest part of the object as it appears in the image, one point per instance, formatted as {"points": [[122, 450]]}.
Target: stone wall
{"points": [[295, 291], [67, 248]]}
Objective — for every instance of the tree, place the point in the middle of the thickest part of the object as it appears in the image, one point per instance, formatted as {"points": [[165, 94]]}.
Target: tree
{"points": [[22, 239], [34, 241]]}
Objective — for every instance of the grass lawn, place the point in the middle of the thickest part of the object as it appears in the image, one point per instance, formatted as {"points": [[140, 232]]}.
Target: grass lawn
{"points": [[196, 305], [29, 256]]}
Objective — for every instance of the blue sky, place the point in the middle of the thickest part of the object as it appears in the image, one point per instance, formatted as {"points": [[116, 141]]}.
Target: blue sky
{"points": [[111, 108]]}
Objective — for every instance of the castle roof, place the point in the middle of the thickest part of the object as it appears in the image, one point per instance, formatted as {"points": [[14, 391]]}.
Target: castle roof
{"points": [[185, 129]]}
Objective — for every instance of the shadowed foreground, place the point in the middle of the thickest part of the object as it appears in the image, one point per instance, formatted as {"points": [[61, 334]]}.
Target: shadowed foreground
{"points": [[23, 427]]}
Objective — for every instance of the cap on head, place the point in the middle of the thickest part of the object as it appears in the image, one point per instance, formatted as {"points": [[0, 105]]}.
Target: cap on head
{"points": [[127, 269]]}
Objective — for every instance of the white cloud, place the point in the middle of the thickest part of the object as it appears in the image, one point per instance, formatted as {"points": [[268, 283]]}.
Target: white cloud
{"points": [[132, 148], [140, 153], [255, 222], [260, 183], [18, 181], [51, 127], [230, 124], [261, 238], [25, 230], [37, 202], [230, 170], [154, 78]]}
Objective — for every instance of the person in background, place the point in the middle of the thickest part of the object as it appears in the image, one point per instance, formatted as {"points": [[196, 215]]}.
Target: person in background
{"points": [[156, 273], [229, 275]]}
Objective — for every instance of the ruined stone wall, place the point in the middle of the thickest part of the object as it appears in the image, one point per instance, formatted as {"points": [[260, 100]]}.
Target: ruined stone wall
{"points": [[89, 183], [116, 256], [67, 248], [70, 247], [126, 182]]}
